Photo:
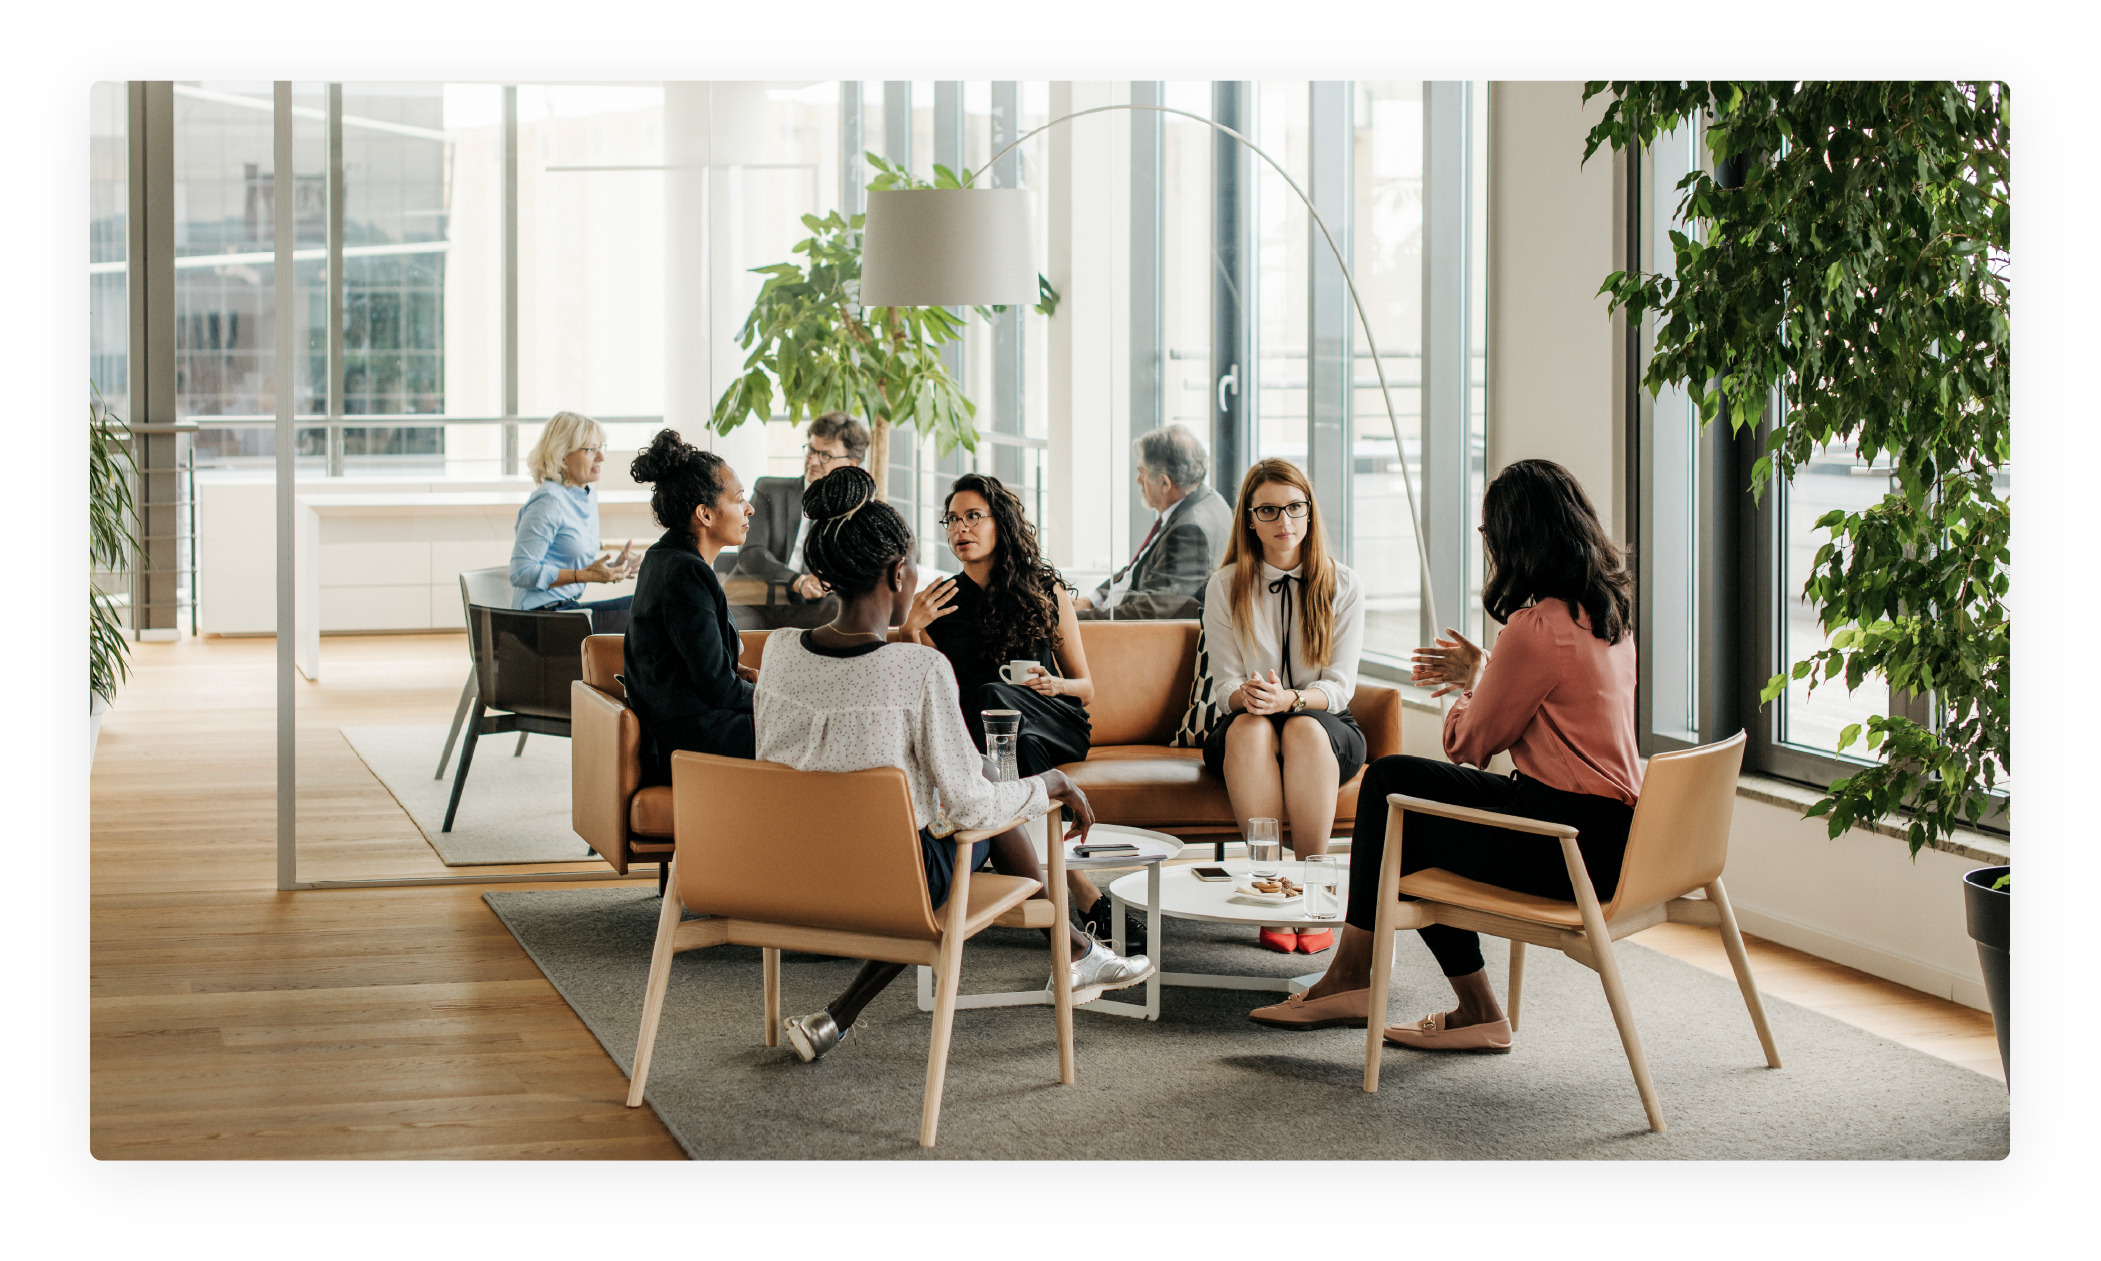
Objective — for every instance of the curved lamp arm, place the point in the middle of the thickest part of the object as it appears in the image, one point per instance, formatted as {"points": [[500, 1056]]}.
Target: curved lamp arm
{"points": [[1422, 553]]}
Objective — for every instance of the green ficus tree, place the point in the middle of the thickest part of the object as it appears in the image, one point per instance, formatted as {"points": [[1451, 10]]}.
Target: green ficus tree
{"points": [[1856, 268], [810, 337]]}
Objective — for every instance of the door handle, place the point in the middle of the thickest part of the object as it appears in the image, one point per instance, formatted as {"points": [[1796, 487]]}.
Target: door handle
{"points": [[1229, 381]]}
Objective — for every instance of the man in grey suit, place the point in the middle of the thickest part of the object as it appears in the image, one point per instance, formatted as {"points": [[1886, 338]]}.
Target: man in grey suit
{"points": [[772, 550], [1166, 577]]}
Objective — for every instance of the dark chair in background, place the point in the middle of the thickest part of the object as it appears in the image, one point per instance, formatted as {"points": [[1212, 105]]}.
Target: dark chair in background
{"points": [[524, 662]]}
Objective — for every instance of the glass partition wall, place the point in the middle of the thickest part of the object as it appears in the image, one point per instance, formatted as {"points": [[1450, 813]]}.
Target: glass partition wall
{"points": [[467, 259]]}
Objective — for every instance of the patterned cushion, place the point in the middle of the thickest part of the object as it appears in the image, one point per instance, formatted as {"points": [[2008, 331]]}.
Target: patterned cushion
{"points": [[1203, 713]]}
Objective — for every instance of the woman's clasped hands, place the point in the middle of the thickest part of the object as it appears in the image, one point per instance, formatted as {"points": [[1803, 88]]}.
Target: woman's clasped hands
{"points": [[1265, 695]]}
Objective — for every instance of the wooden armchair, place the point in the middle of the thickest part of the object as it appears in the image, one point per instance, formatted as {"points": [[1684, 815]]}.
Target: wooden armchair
{"points": [[859, 890], [1678, 844]]}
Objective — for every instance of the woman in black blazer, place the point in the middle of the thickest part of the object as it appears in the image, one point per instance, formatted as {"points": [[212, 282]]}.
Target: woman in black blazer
{"points": [[683, 680]]}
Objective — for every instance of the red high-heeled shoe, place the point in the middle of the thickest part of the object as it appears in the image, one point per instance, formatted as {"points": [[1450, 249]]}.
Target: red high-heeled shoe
{"points": [[1314, 940], [1281, 940]]}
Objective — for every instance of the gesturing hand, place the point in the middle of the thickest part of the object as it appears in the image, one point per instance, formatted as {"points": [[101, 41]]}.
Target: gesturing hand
{"points": [[931, 604], [1452, 666], [598, 571]]}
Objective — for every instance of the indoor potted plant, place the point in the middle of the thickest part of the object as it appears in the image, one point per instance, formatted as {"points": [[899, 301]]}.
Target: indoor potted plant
{"points": [[1852, 259], [109, 549], [809, 334]]}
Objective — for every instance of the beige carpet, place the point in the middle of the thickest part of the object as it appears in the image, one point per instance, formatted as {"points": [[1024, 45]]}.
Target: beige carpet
{"points": [[1205, 1083], [514, 809]]}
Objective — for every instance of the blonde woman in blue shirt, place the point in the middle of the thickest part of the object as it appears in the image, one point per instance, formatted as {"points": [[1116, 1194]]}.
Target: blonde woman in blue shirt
{"points": [[555, 552]]}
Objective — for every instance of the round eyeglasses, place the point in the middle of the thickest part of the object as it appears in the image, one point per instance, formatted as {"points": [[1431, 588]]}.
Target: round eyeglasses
{"points": [[825, 457], [1269, 512], [949, 520]]}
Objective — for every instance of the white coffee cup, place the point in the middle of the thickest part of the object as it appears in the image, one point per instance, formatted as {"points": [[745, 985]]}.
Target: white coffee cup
{"points": [[1017, 672]]}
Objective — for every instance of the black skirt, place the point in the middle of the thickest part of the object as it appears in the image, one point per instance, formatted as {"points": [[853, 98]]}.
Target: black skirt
{"points": [[1344, 736], [1054, 729]]}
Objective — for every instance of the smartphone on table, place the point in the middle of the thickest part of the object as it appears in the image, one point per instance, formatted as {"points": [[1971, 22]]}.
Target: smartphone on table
{"points": [[1211, 873]]}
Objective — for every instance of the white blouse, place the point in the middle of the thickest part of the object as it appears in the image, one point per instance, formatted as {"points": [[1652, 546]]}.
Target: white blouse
{"points": [[1240, 653], [896, 706]]}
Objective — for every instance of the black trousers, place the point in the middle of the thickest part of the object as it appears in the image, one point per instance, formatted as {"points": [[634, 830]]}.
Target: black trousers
{"points": [[1518, 861], [1054, 730]]}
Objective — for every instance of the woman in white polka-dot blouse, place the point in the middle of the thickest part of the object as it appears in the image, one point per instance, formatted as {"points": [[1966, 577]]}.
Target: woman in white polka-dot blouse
{"points": [[843, 698]]}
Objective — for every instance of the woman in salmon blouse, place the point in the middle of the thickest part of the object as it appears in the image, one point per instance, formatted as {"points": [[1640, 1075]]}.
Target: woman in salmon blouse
{"points": [[1558, 693]]}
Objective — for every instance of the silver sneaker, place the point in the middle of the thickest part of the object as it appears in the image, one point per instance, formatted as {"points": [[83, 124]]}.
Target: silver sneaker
{"points": [[1100, 969], [812, 1036]]}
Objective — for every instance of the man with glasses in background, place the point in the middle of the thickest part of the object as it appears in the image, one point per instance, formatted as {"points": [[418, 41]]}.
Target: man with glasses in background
{"points": [[772, 551], [1166, 577]]}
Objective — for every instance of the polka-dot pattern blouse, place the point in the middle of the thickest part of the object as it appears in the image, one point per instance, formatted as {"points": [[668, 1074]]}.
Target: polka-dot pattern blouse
{"points": [[896, 706]]}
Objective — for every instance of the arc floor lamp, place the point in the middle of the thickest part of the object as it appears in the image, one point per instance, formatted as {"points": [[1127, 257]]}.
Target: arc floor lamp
{"points": [[973, 247]]}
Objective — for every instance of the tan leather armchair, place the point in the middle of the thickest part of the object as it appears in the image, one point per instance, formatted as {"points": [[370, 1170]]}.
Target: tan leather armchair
{"points": [[608, 806], [1677, 846], [860, 892]]}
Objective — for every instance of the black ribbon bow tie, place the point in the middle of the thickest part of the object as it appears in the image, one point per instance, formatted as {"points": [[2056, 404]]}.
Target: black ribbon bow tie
{"points": [[1281, 585]]}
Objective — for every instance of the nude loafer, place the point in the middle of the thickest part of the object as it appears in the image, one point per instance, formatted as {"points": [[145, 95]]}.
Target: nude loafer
{"points": [[1429, 1034], [1350, 1009]]}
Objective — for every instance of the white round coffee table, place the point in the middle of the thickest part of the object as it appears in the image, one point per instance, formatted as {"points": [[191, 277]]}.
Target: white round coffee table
{"points": [[1177, 894], [1154, 848]]}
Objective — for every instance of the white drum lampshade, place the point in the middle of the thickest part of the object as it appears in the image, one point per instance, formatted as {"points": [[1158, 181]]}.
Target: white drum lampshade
{"points": [[948, 247]]}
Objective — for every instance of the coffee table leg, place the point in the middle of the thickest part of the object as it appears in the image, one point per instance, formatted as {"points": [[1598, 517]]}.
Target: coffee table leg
{"points": [[1153, 940]]}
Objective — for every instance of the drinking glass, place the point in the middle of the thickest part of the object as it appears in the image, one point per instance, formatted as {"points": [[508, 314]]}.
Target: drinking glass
{"points": [[1002, 739], [1265, 849], [1322, 876]]}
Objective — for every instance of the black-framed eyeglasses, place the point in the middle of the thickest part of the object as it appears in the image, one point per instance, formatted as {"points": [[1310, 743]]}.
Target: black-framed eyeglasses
{"points": [[1268, 512], [825, 456], [949, 520]]}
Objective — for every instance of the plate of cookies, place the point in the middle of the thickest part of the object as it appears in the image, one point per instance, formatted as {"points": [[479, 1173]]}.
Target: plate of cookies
{"points": [[1270, 889]]}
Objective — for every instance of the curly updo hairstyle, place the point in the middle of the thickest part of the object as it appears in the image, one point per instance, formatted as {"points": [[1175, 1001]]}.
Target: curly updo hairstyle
{"points": [[1544, 541], [686, 479], [1021, 593], [854, 536]]}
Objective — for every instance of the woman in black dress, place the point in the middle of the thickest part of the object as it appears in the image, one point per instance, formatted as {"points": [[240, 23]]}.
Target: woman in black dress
{"points": [[1009, 604], [682, 676]]}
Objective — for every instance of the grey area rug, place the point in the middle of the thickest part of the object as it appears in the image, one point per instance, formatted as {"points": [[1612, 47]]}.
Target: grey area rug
{"points": [[1204, 1083], [513, 810]]}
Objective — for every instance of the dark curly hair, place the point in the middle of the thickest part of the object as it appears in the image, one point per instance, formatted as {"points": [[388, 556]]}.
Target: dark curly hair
{"points": [[1543, 541], [1021, 599], [854, 535], [686, 479]]}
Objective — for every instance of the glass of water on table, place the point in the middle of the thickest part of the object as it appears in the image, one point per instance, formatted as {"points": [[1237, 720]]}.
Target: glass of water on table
{"points": [[1265, 849], [1322, 876]]}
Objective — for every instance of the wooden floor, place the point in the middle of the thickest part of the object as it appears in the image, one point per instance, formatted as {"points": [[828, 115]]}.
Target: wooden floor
{"points": [[231, 1020]]}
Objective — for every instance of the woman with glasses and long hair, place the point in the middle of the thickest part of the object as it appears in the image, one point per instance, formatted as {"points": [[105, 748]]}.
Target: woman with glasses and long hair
{"points": [[1558, 693], [555, 551], [1010, 605], [842, 697], [1283, 623]]}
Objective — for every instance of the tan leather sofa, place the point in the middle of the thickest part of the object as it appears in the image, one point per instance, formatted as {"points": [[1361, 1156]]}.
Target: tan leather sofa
{"points": [[1131, 776]]}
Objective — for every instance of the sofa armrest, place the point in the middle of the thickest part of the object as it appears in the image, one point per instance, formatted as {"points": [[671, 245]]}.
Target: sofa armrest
{"points": [[1377, 709], [605, 768]]}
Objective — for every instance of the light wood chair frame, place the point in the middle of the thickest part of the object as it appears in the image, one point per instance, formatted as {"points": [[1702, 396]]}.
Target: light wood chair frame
{"points": [[944, 955], [1590, 946]]}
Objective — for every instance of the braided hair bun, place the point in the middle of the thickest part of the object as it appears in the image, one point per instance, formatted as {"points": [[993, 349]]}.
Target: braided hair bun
{"points": [[854, 536], [686, 478]]}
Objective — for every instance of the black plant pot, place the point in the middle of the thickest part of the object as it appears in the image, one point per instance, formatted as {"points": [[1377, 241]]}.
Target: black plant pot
{"points": [[1990, 928]]}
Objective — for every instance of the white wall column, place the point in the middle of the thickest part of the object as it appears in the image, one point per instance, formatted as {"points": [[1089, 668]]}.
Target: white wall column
{"points": [[1553, 237], [1088, 204], [710, 130]]}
